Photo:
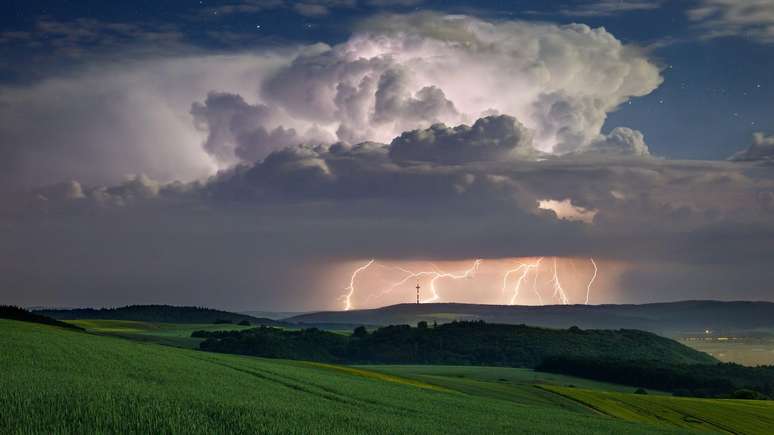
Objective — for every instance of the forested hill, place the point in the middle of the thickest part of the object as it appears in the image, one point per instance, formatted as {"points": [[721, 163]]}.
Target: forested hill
{"points": [[451, 343], [22, 315], [669, 318], [157, 313]]}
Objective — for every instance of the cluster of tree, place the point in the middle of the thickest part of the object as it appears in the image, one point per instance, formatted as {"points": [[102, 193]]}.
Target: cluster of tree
{"points": [[157, 313], [720, 380], [230, 322], [20, 314], [306, 344], [452, 343]]}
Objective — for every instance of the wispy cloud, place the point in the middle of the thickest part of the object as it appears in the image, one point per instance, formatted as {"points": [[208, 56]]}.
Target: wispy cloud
{"points": [[601, 8], [752, 19]]}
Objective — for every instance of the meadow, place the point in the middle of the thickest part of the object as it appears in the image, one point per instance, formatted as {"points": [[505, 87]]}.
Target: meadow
{"points": [[171, 334], [713, 415], [61, 381], [749, 351]]}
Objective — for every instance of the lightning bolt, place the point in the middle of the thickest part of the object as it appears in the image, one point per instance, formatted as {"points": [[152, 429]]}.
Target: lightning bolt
{"points": [[591, 281], [558, 290], [525, 270], [434, 275], [460, 275], [521, 272], [351, 288], [535, 281]]}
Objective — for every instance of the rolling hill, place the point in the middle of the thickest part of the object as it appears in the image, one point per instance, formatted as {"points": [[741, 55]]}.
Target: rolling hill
{"points": [[15, 313], [473, 343], [670, 319], [156, 313], [61, 381]]}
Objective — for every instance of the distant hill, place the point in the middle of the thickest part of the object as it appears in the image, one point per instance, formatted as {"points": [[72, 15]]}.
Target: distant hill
{"points": [[465, 343], [672, 318], [20, 314], [157, 313]]}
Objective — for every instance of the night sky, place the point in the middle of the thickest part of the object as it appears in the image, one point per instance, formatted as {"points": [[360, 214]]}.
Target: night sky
{"points": [[252, 155]]}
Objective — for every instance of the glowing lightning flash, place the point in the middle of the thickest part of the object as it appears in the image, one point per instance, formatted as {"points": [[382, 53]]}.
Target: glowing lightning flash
{"points": [[435, 275], [591, 281], [558, 290], [461, 275], [351, 288], [525, 270], [521, 272]]}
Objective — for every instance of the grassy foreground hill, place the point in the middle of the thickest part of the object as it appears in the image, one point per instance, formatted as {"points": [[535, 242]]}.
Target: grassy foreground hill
{"points": [[61, 381], [712, 415]]}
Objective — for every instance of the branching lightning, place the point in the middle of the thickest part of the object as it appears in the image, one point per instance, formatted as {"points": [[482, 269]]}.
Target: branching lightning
{"points": [[351, 288], [513, 280], [558, 290], [460, 275], [525, 270]]}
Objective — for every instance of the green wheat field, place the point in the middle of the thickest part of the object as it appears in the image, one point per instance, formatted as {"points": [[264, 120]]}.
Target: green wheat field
{"points": [[69, 382]]}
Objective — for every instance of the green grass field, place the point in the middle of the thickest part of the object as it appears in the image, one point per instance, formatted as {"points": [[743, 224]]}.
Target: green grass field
{"points": [[713, 415], [504, 383], [749, 351], [59, 381], [171, 334]]}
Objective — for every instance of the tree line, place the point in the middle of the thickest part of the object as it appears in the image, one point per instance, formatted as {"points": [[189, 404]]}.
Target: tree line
{"points": [[464, 343], [721, 380]]}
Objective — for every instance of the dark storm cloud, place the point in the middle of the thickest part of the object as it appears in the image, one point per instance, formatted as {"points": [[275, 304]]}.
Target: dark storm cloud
{"points": [[306, 204], [490, 139], [241, 238]]}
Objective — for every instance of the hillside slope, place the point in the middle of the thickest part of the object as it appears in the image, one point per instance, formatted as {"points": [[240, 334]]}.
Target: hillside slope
{"points": [[477, 343], [156, 313], [661, 318], [20, 314], [59, 381], [712, 415]]}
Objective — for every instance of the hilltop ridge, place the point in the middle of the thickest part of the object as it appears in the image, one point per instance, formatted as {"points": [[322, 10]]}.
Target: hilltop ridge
{"points": [[666, 318]]}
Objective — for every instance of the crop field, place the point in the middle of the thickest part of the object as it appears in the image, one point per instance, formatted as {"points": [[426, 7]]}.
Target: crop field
{"points": [[60, 381], [749, 351], [713, 415], [517, 385], [172, 334]]}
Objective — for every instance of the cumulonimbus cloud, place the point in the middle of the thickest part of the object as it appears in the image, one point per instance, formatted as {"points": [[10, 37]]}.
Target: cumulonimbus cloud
{"points": [[399, 73], [185, 118]]}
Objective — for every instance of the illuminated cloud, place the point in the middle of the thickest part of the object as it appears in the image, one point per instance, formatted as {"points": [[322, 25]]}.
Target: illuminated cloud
{"points": [[406, 72], [565, 210]]}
